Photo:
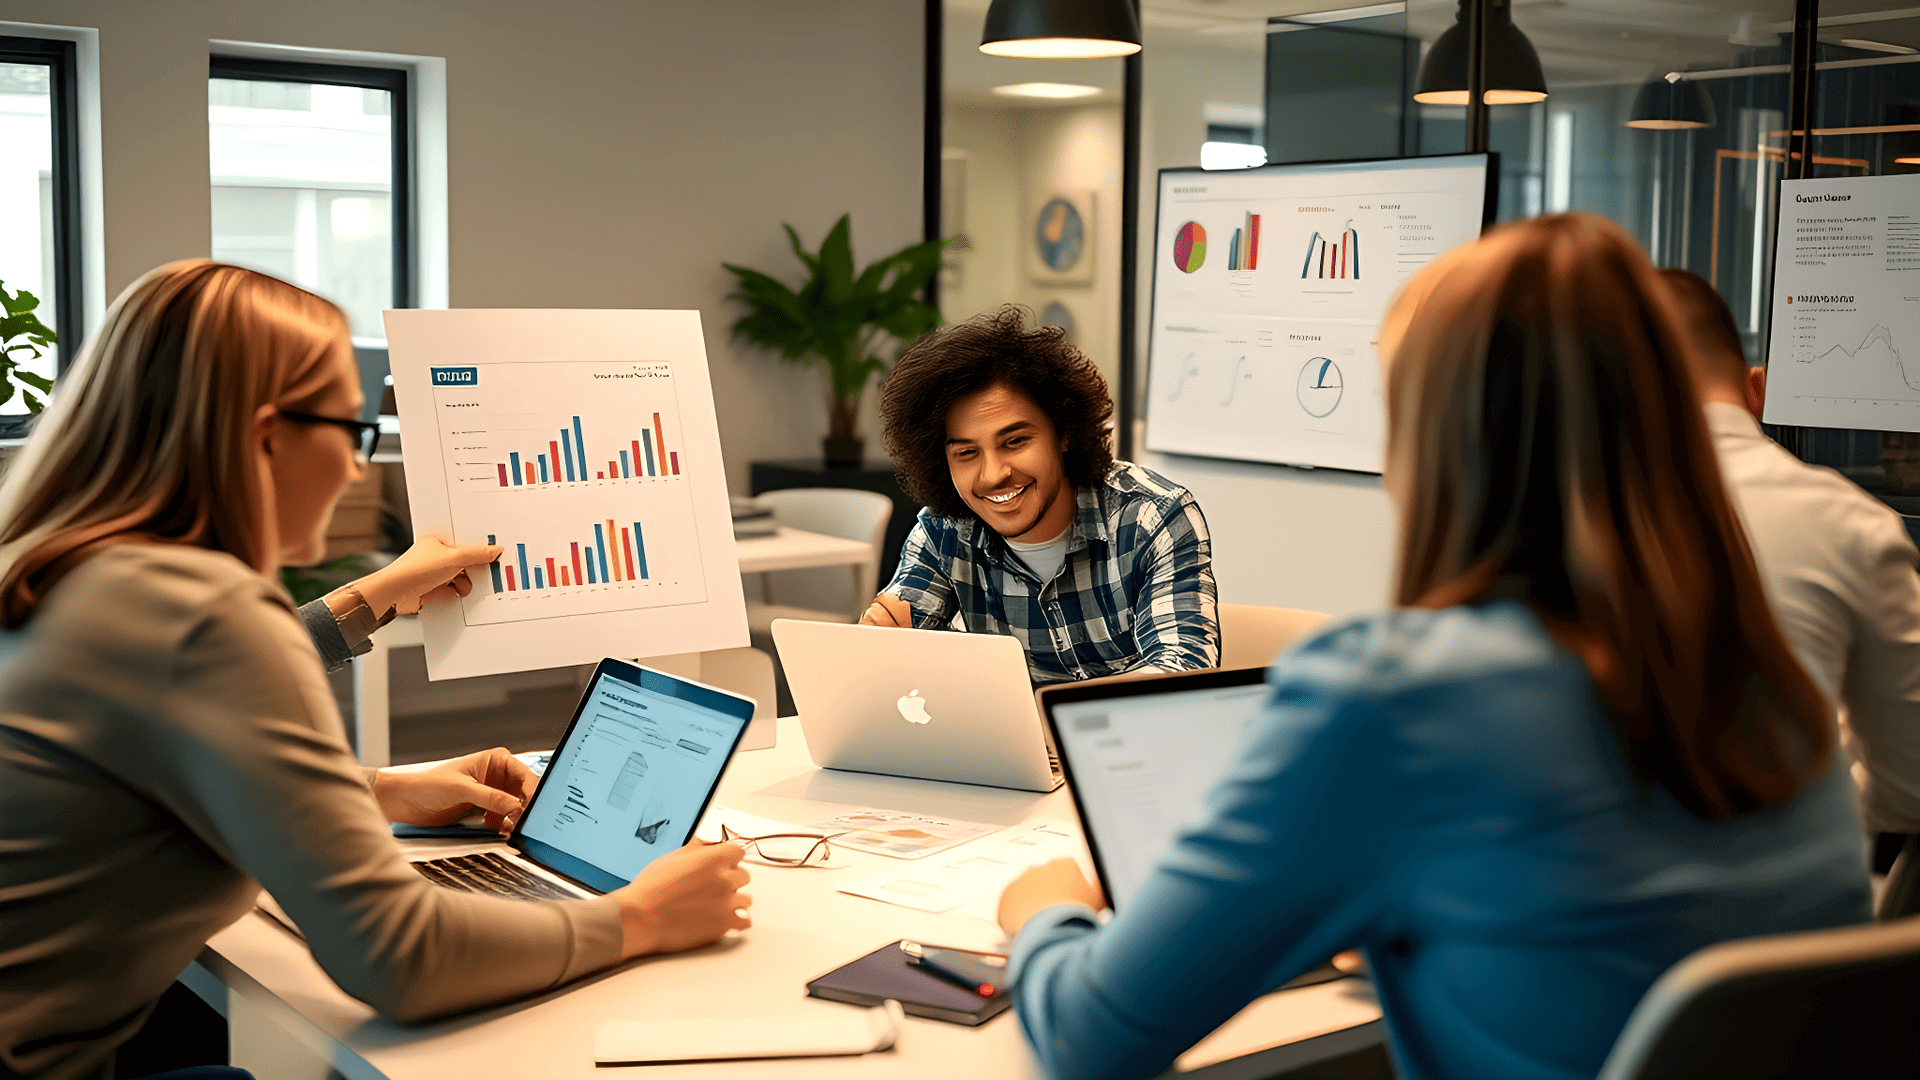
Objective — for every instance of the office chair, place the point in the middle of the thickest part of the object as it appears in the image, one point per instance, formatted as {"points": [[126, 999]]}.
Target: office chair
{"points": [[1251, 635], [1840, 1003], [829, 594]]}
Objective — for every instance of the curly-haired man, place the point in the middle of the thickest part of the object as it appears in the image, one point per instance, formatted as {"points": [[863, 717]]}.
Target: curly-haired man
{"points": [[1031, 528]]}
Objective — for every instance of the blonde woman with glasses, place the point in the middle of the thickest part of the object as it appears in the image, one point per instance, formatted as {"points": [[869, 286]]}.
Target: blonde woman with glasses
{"points": [[1575, 751], [168, 742]]}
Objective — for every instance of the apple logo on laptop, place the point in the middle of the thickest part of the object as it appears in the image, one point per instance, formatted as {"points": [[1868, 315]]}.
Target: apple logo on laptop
{"points": [[913, 708]]}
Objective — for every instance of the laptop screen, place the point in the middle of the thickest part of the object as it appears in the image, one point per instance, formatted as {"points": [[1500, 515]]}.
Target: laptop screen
{"points": [[636, 769], [1141, 766]]}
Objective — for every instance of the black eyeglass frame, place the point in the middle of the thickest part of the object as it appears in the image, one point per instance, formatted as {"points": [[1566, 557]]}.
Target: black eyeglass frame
{"points": [[366, 433]]}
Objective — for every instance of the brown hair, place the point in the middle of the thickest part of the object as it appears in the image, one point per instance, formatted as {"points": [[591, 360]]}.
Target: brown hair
{"points": [[993, 349], [1544, 442], [147, 437], [1712, 336]]}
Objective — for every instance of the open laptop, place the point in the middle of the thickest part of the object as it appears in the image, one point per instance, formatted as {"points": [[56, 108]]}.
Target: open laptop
{"points": [[628, 782], [928, 704], [1140, 756]]}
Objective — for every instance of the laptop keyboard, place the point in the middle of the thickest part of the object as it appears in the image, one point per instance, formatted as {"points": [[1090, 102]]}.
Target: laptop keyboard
{"points": [[491, 874]]}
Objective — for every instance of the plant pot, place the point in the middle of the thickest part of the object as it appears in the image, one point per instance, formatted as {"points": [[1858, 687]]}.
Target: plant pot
{"points": [[843, 451]]}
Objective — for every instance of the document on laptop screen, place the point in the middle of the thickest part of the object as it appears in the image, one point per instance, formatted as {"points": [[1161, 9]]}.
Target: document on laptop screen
{"points": [[1143, 766], [628, 785]]}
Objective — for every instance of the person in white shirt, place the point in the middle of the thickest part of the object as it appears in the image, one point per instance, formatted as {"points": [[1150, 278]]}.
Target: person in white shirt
{"points": [[1839, 567]]}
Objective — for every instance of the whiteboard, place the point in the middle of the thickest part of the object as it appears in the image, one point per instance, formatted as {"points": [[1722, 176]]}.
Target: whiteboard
{"points": [[1844, 351], [1269, 285]]}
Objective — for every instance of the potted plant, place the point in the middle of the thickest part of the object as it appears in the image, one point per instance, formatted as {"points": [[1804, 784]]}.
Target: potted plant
{"points": [[838, 318], [23, 339]]}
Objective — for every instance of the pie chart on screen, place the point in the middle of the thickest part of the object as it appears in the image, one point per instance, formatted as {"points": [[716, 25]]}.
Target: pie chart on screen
{"points": [[1190, 247]]}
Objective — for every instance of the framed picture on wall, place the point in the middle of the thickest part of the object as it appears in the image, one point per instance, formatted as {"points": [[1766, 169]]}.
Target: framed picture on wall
{"points": [[1060, 244]]}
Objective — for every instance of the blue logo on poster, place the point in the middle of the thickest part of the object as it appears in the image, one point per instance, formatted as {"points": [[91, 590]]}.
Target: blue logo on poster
{"points": [[455, 376]]}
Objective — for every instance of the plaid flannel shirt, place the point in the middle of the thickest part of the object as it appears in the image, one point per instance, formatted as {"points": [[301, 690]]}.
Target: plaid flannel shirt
{"points": [[1136, 591]]}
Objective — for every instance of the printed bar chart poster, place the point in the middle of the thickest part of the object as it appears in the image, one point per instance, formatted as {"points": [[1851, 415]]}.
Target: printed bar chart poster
{"points": [[584, 443], [1844, 351], [1268, 353]]}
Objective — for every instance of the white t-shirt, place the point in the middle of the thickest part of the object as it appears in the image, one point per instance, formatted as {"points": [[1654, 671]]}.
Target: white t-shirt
{"points": [[1045, 559]]}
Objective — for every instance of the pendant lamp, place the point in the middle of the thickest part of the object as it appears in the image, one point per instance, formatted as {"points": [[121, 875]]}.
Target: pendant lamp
{"points": [[1061, 29], [1513, 68], [1669, 104]]}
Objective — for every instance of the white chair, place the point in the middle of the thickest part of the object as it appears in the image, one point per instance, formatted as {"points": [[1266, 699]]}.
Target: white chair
{"points": [[1252, 635], [828, 594], [747, 672], [1820, 1003]]}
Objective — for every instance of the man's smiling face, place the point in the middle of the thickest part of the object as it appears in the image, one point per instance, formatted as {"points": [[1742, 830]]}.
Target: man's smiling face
{"points": [[1006, 461]]}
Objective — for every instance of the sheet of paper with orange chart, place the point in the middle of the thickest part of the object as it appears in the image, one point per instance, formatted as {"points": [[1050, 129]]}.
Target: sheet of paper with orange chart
{"points": [[585, 444], [898, 835]]}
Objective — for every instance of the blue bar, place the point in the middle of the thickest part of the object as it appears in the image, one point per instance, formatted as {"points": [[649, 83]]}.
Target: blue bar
{"points": [[539, 578], [580, 448], [543, 469], [646, 444], [600, 535], [626, 471], [566, 449], [523, 565], [515, 458], [591, 580], [640, 550], [499, 586]]}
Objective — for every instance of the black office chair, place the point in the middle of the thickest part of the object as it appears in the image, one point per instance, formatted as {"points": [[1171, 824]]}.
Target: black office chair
{"points": [[1826, 1003], [1901, 897]]}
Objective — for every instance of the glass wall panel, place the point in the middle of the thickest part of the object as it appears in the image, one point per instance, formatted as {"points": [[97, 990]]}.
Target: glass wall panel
{"points": [[26, 199]]}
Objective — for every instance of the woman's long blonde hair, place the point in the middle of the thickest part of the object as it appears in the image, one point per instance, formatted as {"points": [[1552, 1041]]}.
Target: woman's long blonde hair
{"points": [[1546, 443], [148, 434]]}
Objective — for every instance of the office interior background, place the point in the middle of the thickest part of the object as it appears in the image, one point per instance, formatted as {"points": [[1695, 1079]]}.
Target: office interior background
{"points": [[479, 153]]}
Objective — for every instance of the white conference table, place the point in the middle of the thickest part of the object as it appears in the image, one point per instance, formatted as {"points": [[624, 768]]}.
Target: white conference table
{"points": [[786, 549], [802, 928]]}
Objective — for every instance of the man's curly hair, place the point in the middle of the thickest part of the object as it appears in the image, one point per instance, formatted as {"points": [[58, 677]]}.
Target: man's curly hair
{"points": [[993, 349]]}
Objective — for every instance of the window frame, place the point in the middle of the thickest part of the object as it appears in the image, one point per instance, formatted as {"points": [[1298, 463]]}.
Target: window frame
{"points": [[398, 83], [62, 58]]}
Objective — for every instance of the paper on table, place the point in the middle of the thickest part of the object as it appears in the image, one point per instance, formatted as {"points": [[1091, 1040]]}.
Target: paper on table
{"points": [[901, 836], [809, 1033], [963, 877]]}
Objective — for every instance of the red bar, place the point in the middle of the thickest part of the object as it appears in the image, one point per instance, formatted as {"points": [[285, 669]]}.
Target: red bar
{"points": [[553, 577], [639, 462], [503, 474], [564, 579], [660, 438], [613, 469], [530, 473], [676, 463], [599, 476], [626, 545], [578, 577], [613, 537], [509, 579], [553, 459], [1255, 265]]}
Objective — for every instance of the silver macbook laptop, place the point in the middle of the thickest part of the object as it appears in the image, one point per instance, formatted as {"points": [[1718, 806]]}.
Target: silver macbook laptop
{"points": [[929, 704], [629, 781], [1142, 755]]}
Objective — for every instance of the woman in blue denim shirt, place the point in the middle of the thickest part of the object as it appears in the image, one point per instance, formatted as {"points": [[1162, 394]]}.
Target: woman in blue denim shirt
{"points": [[1578, 750]]}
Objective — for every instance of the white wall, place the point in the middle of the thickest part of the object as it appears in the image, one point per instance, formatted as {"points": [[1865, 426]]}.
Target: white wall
{"points": [[1319, 539], [600, 153]]}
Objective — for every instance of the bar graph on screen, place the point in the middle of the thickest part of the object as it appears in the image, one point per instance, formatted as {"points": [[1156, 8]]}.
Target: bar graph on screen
{"points": [[575, 469]]}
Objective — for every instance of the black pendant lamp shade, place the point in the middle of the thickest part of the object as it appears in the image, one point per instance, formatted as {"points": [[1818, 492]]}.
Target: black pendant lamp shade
{"points": [[1664, 105], [1513, 67], [1061, 29]]}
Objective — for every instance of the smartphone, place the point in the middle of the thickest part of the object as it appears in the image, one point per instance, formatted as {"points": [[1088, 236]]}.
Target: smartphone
{"points": [[983, 973]]}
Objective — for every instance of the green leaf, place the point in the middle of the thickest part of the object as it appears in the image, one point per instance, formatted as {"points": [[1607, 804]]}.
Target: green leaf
{"points": [[836, 262], [34, 404], [806, 257], [38, 382]]}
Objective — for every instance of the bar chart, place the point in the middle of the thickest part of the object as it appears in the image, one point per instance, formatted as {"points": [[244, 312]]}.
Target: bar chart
{"points": [[1243, 251], [1333, 256], [577, 470]]}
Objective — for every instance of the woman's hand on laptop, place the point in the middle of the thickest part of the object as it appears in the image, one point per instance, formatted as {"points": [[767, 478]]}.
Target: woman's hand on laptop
{"points": [[888, 610], [684, 899], [492, 783], [1045, 886]]}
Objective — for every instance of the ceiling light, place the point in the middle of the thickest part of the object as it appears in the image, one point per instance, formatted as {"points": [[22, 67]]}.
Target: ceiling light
{"points": [[1876, 46], [1670, 104], [1061, 29], [1054, 90], [1513, 67], [1231, 155]]}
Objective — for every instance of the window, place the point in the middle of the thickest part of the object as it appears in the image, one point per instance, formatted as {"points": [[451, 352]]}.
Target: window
{"points": [[40, 189], [309, 170]]}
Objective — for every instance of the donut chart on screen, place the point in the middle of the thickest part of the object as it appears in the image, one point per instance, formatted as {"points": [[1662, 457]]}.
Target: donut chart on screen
{"points": [[1190, 247]]}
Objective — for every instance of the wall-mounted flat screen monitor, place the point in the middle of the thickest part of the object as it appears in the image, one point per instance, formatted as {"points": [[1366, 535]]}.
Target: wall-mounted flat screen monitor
{"points": [[1269, 287]]}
